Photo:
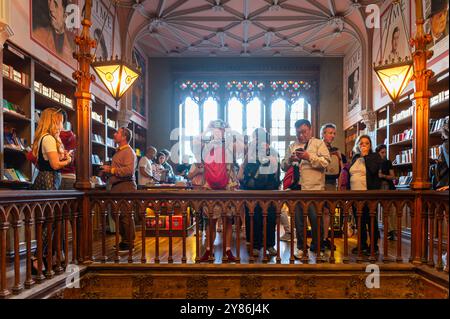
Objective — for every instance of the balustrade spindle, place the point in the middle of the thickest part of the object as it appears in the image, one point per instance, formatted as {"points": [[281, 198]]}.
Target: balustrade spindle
{"points": [[251, 213], [265, 207], [373, 223], [4, 292], [448, 238], [17, 284], [104, 215], [158, 207], [66, 221], [29, 282], [359, 216], [346, 208], [49, 225], [131, 228], [116, 214], [439, 265], [170, 213], [291, 206], [332, 213], [184, 212], [318, 209], [424, 234], [386, 209], [143, 233], [399, 234], [224, 219], [75, 241], [39, 233], [211, 232], [239, 208], [430, 237], [58, 268], [197, 216], [278, 220], [305, 258]]}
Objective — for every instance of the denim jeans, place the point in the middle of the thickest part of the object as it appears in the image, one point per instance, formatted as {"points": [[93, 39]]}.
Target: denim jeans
{"points": [[312, 215]]}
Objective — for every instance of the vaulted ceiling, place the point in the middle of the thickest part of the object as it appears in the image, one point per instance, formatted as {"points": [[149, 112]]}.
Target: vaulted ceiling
{"points": [[248, 28]]}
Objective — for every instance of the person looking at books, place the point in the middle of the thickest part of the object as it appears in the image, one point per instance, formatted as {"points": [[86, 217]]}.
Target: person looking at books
{"points": [[51, 158], [121, 178], [49, 150], [166, 164], [158, 170], [439, 172], [145, 166], [387, 176], [332, 174], [312, 157], [364, 170]]}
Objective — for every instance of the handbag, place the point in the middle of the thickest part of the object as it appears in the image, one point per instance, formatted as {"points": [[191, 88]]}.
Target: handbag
{"points": [[291, 178]]}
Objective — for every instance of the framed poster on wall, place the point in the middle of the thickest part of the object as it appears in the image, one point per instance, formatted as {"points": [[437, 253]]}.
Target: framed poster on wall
{"points": [[437, 24], [138, 89], [353, 81], [49, 28]]}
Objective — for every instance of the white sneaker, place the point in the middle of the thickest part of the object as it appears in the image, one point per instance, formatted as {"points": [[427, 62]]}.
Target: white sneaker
{"points": [[285, 237], [298, 254]]}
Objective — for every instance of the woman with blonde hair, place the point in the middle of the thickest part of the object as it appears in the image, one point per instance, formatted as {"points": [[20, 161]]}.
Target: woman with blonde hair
{"points": [[49, 150]]}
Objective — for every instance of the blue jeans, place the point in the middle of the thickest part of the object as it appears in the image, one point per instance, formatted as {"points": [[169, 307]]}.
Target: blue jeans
{"points": [[299, 227]]}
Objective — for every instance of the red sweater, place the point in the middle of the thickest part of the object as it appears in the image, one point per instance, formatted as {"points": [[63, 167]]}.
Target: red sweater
{"points": [[69, 140]]}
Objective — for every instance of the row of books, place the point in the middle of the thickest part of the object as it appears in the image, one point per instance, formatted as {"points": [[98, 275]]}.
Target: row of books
{"points": [[11, 107], [97, 116], [110, 142], [436, 124], [12, 174], [440, 97], [405, 157], [403, 114], [96, 159], [382, 123], [12, 74], [97, 181], [405, 135], [98, 138], [52, 94], [111, 123], [405, 180], [13, 141], [435, 151]]}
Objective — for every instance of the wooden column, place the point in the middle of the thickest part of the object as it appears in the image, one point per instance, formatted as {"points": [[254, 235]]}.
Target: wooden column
{"points": [[420, 125], [422, 108], [83, 100]]}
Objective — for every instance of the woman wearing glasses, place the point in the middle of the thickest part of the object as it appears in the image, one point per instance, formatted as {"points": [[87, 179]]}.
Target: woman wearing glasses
{"points": [[49, 150]]}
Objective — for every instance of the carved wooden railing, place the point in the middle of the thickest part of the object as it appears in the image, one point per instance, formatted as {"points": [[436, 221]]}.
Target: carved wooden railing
{"points": [[26, 216], [79, 223]]}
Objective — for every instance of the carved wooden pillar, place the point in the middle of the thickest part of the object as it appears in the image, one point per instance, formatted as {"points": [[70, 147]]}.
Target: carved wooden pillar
{"points": [[5, 19], [83, 100], [422, 108]]}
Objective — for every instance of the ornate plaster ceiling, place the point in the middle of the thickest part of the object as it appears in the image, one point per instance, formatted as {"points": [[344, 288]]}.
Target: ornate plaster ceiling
{"points": [[249, 28]]}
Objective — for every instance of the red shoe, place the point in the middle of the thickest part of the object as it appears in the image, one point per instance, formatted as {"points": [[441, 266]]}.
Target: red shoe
{"points": [[230, 257], [205, 256]]}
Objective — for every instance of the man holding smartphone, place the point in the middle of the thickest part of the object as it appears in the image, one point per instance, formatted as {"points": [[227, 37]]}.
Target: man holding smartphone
{"points": [[312, 157]]}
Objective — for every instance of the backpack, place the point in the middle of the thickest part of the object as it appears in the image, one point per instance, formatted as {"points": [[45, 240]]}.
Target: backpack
{"points": [[216, 174], [333, 169], [255, 180], [291, 178]]}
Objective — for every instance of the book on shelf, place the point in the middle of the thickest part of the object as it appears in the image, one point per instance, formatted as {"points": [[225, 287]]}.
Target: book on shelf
{"points": [[96, 159], [12, 140], [14, 75], [97, 116], [14, 175], [382, 123], [438, 98], [437, 124], [11, 107], [435, 151], [405, 157], [403, 114], [405, 135], [405, 180], [97, 138]]}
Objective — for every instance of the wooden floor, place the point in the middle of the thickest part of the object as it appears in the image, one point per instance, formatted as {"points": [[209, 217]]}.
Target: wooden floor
{"points": [[244, 253]]}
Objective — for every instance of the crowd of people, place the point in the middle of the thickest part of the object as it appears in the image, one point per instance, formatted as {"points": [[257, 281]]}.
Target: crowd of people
{"points": [[310, 163]]}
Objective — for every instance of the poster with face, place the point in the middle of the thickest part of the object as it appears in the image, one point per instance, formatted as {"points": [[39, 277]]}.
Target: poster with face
{"points": [[353, 81], [436, 24], [102, 18], [138, 88], [51, 30], [394, 36]]}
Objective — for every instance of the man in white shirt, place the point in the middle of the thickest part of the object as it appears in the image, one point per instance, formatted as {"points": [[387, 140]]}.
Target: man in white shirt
{"points": [[145, 166], [312, 157]]}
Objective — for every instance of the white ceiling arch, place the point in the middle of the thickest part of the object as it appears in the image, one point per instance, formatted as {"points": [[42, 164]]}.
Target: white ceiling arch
{"points": [[249, 28]]}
